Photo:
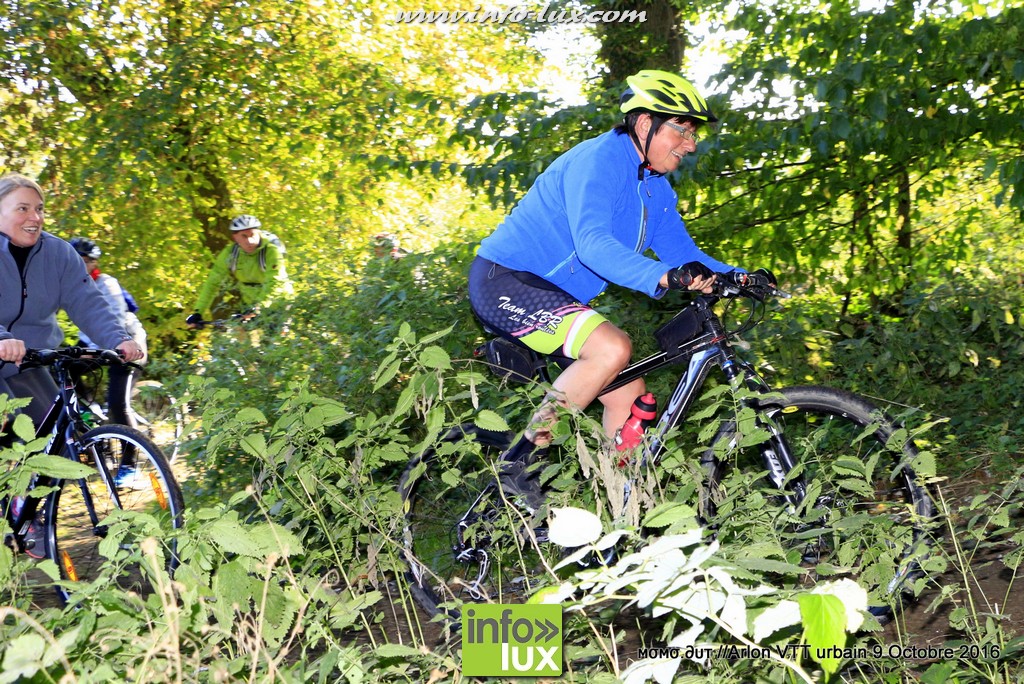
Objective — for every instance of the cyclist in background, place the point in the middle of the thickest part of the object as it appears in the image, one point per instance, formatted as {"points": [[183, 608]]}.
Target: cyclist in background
{"points": [[253, 266], [588, 221], [119, 378]]}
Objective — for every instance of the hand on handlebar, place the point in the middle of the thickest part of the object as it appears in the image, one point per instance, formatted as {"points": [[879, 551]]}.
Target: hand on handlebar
{"points": [[691, 276], [758, 284], [12, 351], [130, 350], [761, 277]]}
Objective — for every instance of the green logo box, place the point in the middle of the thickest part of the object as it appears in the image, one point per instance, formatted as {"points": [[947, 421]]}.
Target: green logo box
{"points": [[500, 640]]}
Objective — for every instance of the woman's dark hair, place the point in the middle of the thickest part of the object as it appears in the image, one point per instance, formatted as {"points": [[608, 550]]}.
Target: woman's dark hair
{"points": [[629, 122]]}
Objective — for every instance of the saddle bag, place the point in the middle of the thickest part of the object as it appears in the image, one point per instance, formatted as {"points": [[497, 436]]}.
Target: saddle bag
{"points": [[508, 360]]}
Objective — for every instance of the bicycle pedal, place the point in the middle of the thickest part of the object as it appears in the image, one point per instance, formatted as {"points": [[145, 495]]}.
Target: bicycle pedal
{"points": [[596, 559]]}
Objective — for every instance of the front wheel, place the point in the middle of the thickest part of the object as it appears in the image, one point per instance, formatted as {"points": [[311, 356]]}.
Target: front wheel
{"points": [[853, 505], [97, 523], [452, 559]]}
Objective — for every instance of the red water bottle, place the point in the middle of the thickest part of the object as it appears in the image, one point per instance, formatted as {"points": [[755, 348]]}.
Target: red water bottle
{"points": [[641, 414]]}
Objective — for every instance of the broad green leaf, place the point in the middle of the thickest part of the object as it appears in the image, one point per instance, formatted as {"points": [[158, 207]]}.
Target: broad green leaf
{"points": [[489, 420], [332, 412], [452, 478], [233, 537], [251, 415], [435, 358], [386, 374], [23, 657], [667, 513], [254, 444], [433, 337], [400, 651], [23, 428], [938, 673], [276, 539], [58, 467], [824, 620], [405, 400], [391, 452]]}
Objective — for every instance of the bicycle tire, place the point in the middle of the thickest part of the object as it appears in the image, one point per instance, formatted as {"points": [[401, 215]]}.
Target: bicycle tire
{"points": [[78, 537], [884, 545], [159, 415], [437, 488]]}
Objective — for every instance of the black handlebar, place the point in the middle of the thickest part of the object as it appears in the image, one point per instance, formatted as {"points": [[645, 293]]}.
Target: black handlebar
{"points": [[48, 357], [196, 320], [755, 285]]}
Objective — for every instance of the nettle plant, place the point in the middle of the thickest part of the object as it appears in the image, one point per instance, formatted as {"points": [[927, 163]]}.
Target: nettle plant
{"points": [[712, 609]]}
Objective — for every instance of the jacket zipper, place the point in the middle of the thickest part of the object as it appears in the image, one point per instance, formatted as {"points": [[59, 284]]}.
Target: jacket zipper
{"points": [[24, 285]]}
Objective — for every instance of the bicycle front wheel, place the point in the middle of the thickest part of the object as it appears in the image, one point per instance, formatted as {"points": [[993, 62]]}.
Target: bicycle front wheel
{"points": [[96, 523], [490, 559], [854, 505]]}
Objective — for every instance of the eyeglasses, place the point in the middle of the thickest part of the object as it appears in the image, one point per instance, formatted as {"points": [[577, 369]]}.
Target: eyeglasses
{"points": [[686, 133]]}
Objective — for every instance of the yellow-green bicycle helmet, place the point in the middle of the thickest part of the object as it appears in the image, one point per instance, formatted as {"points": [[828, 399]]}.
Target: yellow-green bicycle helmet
{"points": [[662, 92]]}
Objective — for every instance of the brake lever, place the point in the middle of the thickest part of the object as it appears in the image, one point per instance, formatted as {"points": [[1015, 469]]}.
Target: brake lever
{"points": [[113, 356]]}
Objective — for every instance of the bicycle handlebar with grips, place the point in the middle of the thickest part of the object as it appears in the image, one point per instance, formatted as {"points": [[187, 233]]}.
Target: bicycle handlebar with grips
{"points": [[48, 357], [758, 285], [196, 320]]}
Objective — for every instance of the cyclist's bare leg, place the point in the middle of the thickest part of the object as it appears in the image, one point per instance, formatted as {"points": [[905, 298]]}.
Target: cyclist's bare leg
{"points": [[603, 356], [617, 405]]}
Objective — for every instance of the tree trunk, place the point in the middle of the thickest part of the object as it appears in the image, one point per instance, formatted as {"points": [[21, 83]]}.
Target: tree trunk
{"points": [[628, 47]]}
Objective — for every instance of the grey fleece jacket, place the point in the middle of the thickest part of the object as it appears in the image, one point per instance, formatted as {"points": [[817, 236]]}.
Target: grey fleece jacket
{"points": [[54, 278]]}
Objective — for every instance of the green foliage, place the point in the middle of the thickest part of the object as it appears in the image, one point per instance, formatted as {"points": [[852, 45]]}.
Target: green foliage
{"points": [[886, 192], [153, 123], [839, 179]]}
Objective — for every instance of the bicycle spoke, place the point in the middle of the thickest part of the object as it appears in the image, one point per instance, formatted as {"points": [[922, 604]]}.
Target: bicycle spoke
{"points": [[97, 527], [864, 513]]}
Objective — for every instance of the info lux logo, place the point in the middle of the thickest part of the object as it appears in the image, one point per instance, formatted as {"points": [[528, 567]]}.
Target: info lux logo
{"points": [[512, 641]]}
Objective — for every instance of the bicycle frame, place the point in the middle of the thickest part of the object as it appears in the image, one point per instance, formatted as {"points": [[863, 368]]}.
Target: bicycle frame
{"points": [[63, 422], [709, 348]]}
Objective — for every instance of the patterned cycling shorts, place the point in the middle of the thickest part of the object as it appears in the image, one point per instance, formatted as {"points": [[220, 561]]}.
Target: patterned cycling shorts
{"points": [[528, 309]]}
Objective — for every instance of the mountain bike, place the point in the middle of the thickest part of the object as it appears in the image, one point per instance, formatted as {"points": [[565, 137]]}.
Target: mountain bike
{"points": [[841, 471], [236, 332], [91, 525]]}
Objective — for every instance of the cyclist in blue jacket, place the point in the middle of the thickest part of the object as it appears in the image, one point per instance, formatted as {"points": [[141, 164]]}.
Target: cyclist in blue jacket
{"points": [[586, 222]]}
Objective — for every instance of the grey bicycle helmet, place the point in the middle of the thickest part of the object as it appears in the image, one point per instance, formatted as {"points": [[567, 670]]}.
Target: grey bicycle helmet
{"points": [[245, 222], [86, 247]]}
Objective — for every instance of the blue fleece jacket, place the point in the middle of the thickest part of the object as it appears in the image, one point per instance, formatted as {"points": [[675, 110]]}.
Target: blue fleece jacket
{"points": [[587, 221]]}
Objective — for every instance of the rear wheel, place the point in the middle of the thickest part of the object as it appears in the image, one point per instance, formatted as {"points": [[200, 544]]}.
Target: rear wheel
{"points": [[493, 558], [159, 415], [97, 523], [855, 508]]}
